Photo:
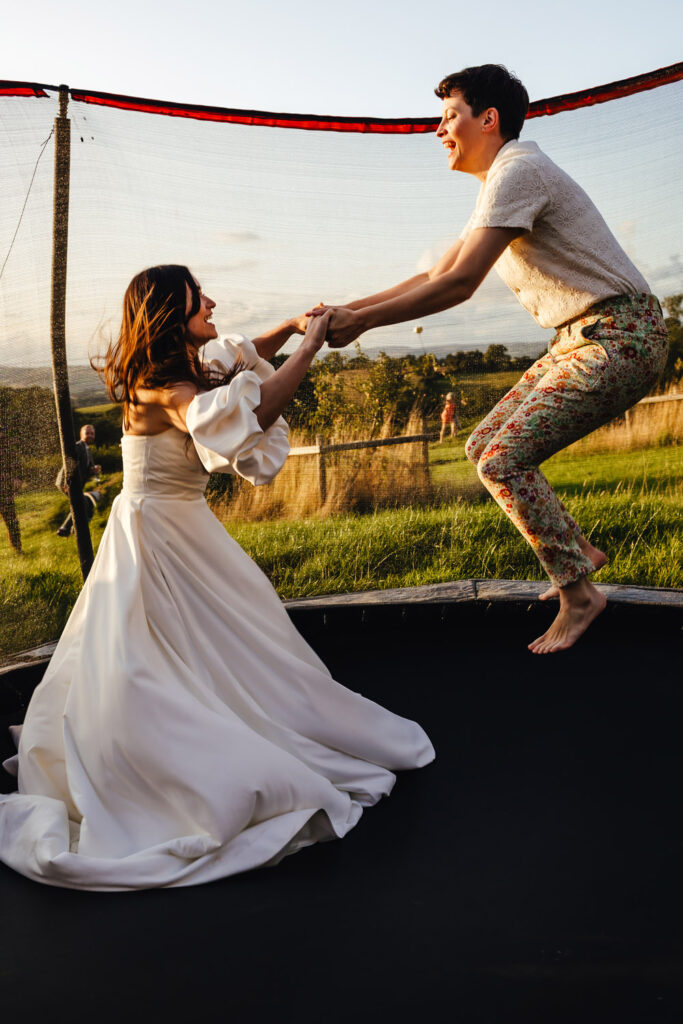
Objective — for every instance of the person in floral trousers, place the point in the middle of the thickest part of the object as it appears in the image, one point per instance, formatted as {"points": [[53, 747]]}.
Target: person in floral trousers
{"points": [[552, 247], [597, 366]]}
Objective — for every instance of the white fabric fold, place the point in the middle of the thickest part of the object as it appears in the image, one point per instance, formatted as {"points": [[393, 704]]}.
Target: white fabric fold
{"points": [[223, 424]]}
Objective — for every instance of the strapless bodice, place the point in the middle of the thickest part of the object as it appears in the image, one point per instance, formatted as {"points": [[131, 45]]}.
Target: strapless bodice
{"points": [[162, 465], [224, 434]]}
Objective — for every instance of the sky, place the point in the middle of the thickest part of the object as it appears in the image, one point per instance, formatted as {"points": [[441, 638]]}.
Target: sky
{"points": [[363, 57], [271, 219]]}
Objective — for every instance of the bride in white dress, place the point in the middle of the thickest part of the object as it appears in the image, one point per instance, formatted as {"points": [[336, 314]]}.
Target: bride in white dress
{"points": [[184, 730]]}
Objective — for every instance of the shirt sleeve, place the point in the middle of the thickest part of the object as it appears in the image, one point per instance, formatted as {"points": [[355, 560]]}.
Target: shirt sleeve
{"points": [[223, 424], [514, 196]]}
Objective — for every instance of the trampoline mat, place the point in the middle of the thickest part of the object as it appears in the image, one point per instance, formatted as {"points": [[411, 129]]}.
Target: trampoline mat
{"points": [[532, 872]]}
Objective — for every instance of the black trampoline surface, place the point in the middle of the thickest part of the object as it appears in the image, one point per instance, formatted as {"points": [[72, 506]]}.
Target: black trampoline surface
{"points": [[532, 873]]}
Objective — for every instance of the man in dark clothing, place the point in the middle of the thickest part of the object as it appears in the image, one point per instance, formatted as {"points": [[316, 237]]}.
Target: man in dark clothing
{"points": [[86, 470], [10, 466], [7, 508]]}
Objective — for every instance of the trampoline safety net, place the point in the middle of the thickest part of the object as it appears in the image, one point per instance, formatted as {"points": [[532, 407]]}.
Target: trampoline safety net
{"points": [[273, 213]]}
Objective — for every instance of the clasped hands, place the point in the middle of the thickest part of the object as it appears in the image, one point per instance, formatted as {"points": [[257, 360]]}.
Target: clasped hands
{"points": [[343, 324]]}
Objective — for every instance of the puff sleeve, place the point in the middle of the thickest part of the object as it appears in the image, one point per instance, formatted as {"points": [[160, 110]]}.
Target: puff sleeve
{"points": [[222, 422]]}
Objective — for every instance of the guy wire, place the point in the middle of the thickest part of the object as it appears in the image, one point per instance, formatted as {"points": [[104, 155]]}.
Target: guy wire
{"points": [[21, 215]]}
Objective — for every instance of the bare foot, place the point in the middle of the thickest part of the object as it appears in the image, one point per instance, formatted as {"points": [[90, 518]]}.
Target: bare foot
{"points": [[580, 603], [597, 557]]}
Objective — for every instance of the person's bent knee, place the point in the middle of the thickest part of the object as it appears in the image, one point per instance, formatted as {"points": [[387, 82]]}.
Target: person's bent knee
{"points": [[492, 467], [474, 446]]}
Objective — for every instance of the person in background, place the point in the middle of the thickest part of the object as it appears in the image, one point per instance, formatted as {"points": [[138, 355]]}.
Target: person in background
{"points": [[86, 470], [7, 507], [10, 469], [449, 416]]}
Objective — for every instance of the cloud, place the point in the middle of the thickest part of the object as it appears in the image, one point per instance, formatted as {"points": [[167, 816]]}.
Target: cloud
{"points": [[432, 254], [236, 237], [668, 276], [215, 270], [626, 228]]}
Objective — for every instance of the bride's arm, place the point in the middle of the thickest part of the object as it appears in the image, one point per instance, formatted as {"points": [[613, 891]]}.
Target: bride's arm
{"points": [[276, 391], [279, 388], [270, 342]]}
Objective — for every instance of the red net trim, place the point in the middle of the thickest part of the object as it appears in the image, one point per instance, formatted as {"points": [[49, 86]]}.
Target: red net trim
{"points": [[24, 89], [376, 125], [604, 93], [307, 122], [384, 126]]}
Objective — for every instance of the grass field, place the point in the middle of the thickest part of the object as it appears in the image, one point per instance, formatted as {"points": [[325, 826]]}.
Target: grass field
{"points": [[628, 502], [409, 547], [575, 471]]}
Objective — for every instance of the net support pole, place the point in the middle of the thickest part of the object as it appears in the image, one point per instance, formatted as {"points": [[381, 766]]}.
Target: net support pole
{"points": [[60, 373]]}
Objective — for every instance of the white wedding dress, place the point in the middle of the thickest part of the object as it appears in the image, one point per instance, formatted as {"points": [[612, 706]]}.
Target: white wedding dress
{"points": [[184, 730]]}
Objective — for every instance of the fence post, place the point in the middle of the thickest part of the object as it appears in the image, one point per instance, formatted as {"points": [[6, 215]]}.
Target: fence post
{"points": [[322, 473], [60, 373], [425, 449], [425, 455]]}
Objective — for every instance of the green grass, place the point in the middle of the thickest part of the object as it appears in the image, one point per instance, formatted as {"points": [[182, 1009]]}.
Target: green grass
{"points": [[407, 547], [574, 472], [38, 589], [106, 407], [628, 503], [496, 379]]}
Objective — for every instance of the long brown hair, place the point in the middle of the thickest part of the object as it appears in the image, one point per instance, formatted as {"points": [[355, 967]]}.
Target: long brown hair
{"points": [[152, 349]]}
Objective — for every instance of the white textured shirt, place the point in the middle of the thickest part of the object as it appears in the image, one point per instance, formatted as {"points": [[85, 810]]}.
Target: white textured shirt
{"points": [[568, 259]]}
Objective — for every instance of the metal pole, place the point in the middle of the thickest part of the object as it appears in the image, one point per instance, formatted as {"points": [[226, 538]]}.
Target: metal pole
{"points": [[60, 373]]}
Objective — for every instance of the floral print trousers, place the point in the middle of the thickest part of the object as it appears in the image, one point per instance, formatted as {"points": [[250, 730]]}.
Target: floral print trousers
{"points": [[597, 366]]}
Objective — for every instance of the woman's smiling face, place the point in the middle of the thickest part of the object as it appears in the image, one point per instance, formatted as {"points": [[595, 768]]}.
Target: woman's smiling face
{"points": [[200, 326]]}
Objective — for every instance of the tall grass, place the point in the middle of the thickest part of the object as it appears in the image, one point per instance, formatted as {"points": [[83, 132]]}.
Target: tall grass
{"points": [[642, 534], [357, 481], [647, 425], [34, 607]]}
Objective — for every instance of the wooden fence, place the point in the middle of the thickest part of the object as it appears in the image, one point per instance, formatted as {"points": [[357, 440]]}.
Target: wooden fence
{"points": [[321, 449], [648, 401]]}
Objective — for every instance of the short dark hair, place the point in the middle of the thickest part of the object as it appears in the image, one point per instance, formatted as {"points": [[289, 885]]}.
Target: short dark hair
{"points": [[490, 85]]}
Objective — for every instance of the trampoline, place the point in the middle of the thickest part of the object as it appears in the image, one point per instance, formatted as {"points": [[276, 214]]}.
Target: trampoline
{"points": [[531, 873]]}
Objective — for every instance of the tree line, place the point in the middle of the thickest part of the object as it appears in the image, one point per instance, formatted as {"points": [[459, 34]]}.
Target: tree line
{"points": [[350, 390]]}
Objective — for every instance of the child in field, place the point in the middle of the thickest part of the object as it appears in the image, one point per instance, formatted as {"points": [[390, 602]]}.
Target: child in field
{"points": [[449, 417], [551, 246]]}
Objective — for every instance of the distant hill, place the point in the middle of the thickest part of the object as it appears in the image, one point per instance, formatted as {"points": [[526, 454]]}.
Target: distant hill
{"points": [[85, 385], [515, 348]]}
